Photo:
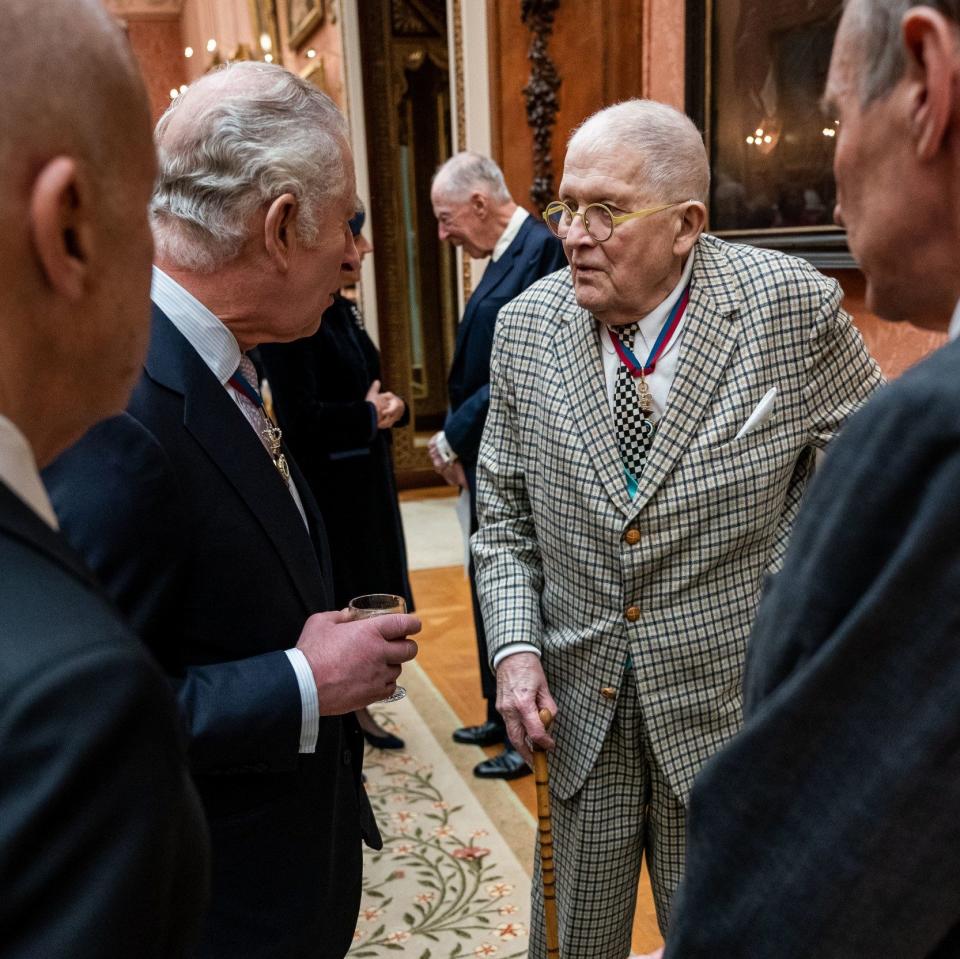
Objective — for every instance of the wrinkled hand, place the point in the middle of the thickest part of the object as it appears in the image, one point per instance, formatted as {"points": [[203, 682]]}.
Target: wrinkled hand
{"points": [[388, 405], [521, 693], [455, 475], [356, 662]]}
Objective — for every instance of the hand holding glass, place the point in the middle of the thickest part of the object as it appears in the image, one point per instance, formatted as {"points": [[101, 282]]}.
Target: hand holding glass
{"points": [[379, 604]]}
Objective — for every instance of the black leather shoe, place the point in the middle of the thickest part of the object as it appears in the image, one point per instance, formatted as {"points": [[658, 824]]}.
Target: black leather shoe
{"points": [[508, 765], [386, 741], [486, 734]]}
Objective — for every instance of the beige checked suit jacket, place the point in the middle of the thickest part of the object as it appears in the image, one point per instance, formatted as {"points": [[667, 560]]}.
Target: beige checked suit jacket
{"points": [[555, 566]]}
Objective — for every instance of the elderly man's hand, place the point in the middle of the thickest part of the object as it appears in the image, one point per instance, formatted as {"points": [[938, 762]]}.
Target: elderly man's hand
{"points": [[356, 662], [521, 693]]}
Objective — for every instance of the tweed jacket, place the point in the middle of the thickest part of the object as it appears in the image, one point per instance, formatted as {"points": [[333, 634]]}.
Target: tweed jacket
{"points": [[555, 564]]}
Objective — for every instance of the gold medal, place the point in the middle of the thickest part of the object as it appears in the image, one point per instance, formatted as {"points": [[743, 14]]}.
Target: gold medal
{"points": [[274, 440], [643, 392]]}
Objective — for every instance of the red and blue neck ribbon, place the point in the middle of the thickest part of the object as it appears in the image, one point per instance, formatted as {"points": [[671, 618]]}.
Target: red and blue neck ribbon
{"points": [[240, 384], [664, 337]]}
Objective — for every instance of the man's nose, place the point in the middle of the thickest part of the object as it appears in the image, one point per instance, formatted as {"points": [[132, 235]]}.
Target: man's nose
{"points": [[442, 231], [838, 215], [577, 234], [351, 256]]}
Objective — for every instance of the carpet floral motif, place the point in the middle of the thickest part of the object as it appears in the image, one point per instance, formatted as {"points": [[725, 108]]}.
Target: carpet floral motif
{"points": [[436, 890]]}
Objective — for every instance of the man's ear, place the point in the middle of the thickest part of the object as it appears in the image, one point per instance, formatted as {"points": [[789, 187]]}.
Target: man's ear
{"points": [[62, 226], [280, 230], [480, 204], [931, 50], [689, 227]]}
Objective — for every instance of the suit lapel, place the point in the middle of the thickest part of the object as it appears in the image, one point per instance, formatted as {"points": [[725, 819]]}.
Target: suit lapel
{"points": [[711, 330], [19, 521], [581, 368], [493, 276], [218, 425]]}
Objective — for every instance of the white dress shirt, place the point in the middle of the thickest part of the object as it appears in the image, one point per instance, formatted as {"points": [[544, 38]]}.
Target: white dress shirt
{"points": [[218, 349], [955, 322], [18, 471], [509, 234], [659, 381]]}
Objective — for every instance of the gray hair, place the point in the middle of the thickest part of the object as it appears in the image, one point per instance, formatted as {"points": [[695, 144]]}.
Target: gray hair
{"points": [[876, 24], [262, 133], [673, 159], [465, 173]]}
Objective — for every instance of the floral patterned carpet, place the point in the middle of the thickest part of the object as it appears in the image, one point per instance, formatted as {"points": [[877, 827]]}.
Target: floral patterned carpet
{"points": [[446, 884]]}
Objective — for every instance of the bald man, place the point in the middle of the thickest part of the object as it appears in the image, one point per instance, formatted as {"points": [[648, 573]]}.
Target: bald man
{"points": [[103, 850], [205, 532]]}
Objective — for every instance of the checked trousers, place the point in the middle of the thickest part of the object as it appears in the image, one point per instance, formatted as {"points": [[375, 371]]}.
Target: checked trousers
{"points": [[625, 810]]}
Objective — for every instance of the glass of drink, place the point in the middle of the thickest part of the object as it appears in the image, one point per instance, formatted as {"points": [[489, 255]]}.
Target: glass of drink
{"points": [[379, 604]]}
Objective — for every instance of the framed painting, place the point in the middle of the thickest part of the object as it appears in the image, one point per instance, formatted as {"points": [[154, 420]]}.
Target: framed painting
{"points": [[303, 17], [266, 37], [756, 72]]}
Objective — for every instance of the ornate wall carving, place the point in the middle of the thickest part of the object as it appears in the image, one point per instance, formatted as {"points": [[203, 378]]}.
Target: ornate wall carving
{"points": [[541, 97]]}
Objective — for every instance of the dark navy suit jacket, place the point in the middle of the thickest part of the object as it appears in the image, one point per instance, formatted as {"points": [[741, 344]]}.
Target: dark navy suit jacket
{"points": [[534, 253], [829, 825], [103, 850], [177, 507]]}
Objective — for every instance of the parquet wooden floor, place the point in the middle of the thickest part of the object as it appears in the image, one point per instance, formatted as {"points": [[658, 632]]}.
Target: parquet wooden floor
{"points": [[448, 655]]}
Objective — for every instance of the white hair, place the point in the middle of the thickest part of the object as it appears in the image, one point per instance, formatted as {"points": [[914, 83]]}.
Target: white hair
{"points": [[876, 24], [269, 133], [465, 173], [673, 159]]}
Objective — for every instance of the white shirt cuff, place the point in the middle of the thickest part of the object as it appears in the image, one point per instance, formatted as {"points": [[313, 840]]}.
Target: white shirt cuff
{"points": [[501, 654], [446, 451], [309, 705]]}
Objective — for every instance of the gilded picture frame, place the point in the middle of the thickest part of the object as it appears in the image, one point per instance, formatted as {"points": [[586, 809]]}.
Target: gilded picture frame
{"points": [[263, 19], [303, 17]]}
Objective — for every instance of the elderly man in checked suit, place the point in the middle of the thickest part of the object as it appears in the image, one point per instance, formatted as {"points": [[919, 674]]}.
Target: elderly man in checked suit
{"points": [[654, 417]]}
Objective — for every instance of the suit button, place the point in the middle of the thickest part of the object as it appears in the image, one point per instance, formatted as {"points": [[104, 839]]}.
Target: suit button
{"points": [[608, 692], [346, 757], [632, 536], [632, 614]]}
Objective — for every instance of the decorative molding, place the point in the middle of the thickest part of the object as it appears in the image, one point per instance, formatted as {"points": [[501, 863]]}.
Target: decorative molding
{"points": [[407, 22], [145, 9], [540, 94], [466, 276], [303, 19]]}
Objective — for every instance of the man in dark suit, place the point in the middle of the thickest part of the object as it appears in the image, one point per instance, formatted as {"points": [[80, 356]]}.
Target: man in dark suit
{"points": [[475, 211], [103, 850], [205, 532], [829, 826]]}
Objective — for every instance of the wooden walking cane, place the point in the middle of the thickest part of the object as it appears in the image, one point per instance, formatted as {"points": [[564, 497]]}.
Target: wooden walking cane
{"points": [[541, 775]]}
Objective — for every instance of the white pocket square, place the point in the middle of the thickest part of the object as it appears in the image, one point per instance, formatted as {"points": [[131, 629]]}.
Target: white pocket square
{"points": [[760, 415]]}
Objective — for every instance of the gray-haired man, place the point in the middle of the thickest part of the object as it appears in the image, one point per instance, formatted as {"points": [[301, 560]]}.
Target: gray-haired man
{"points": [[205, 532], [475, 211], [829, 827], [653, 419]]}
